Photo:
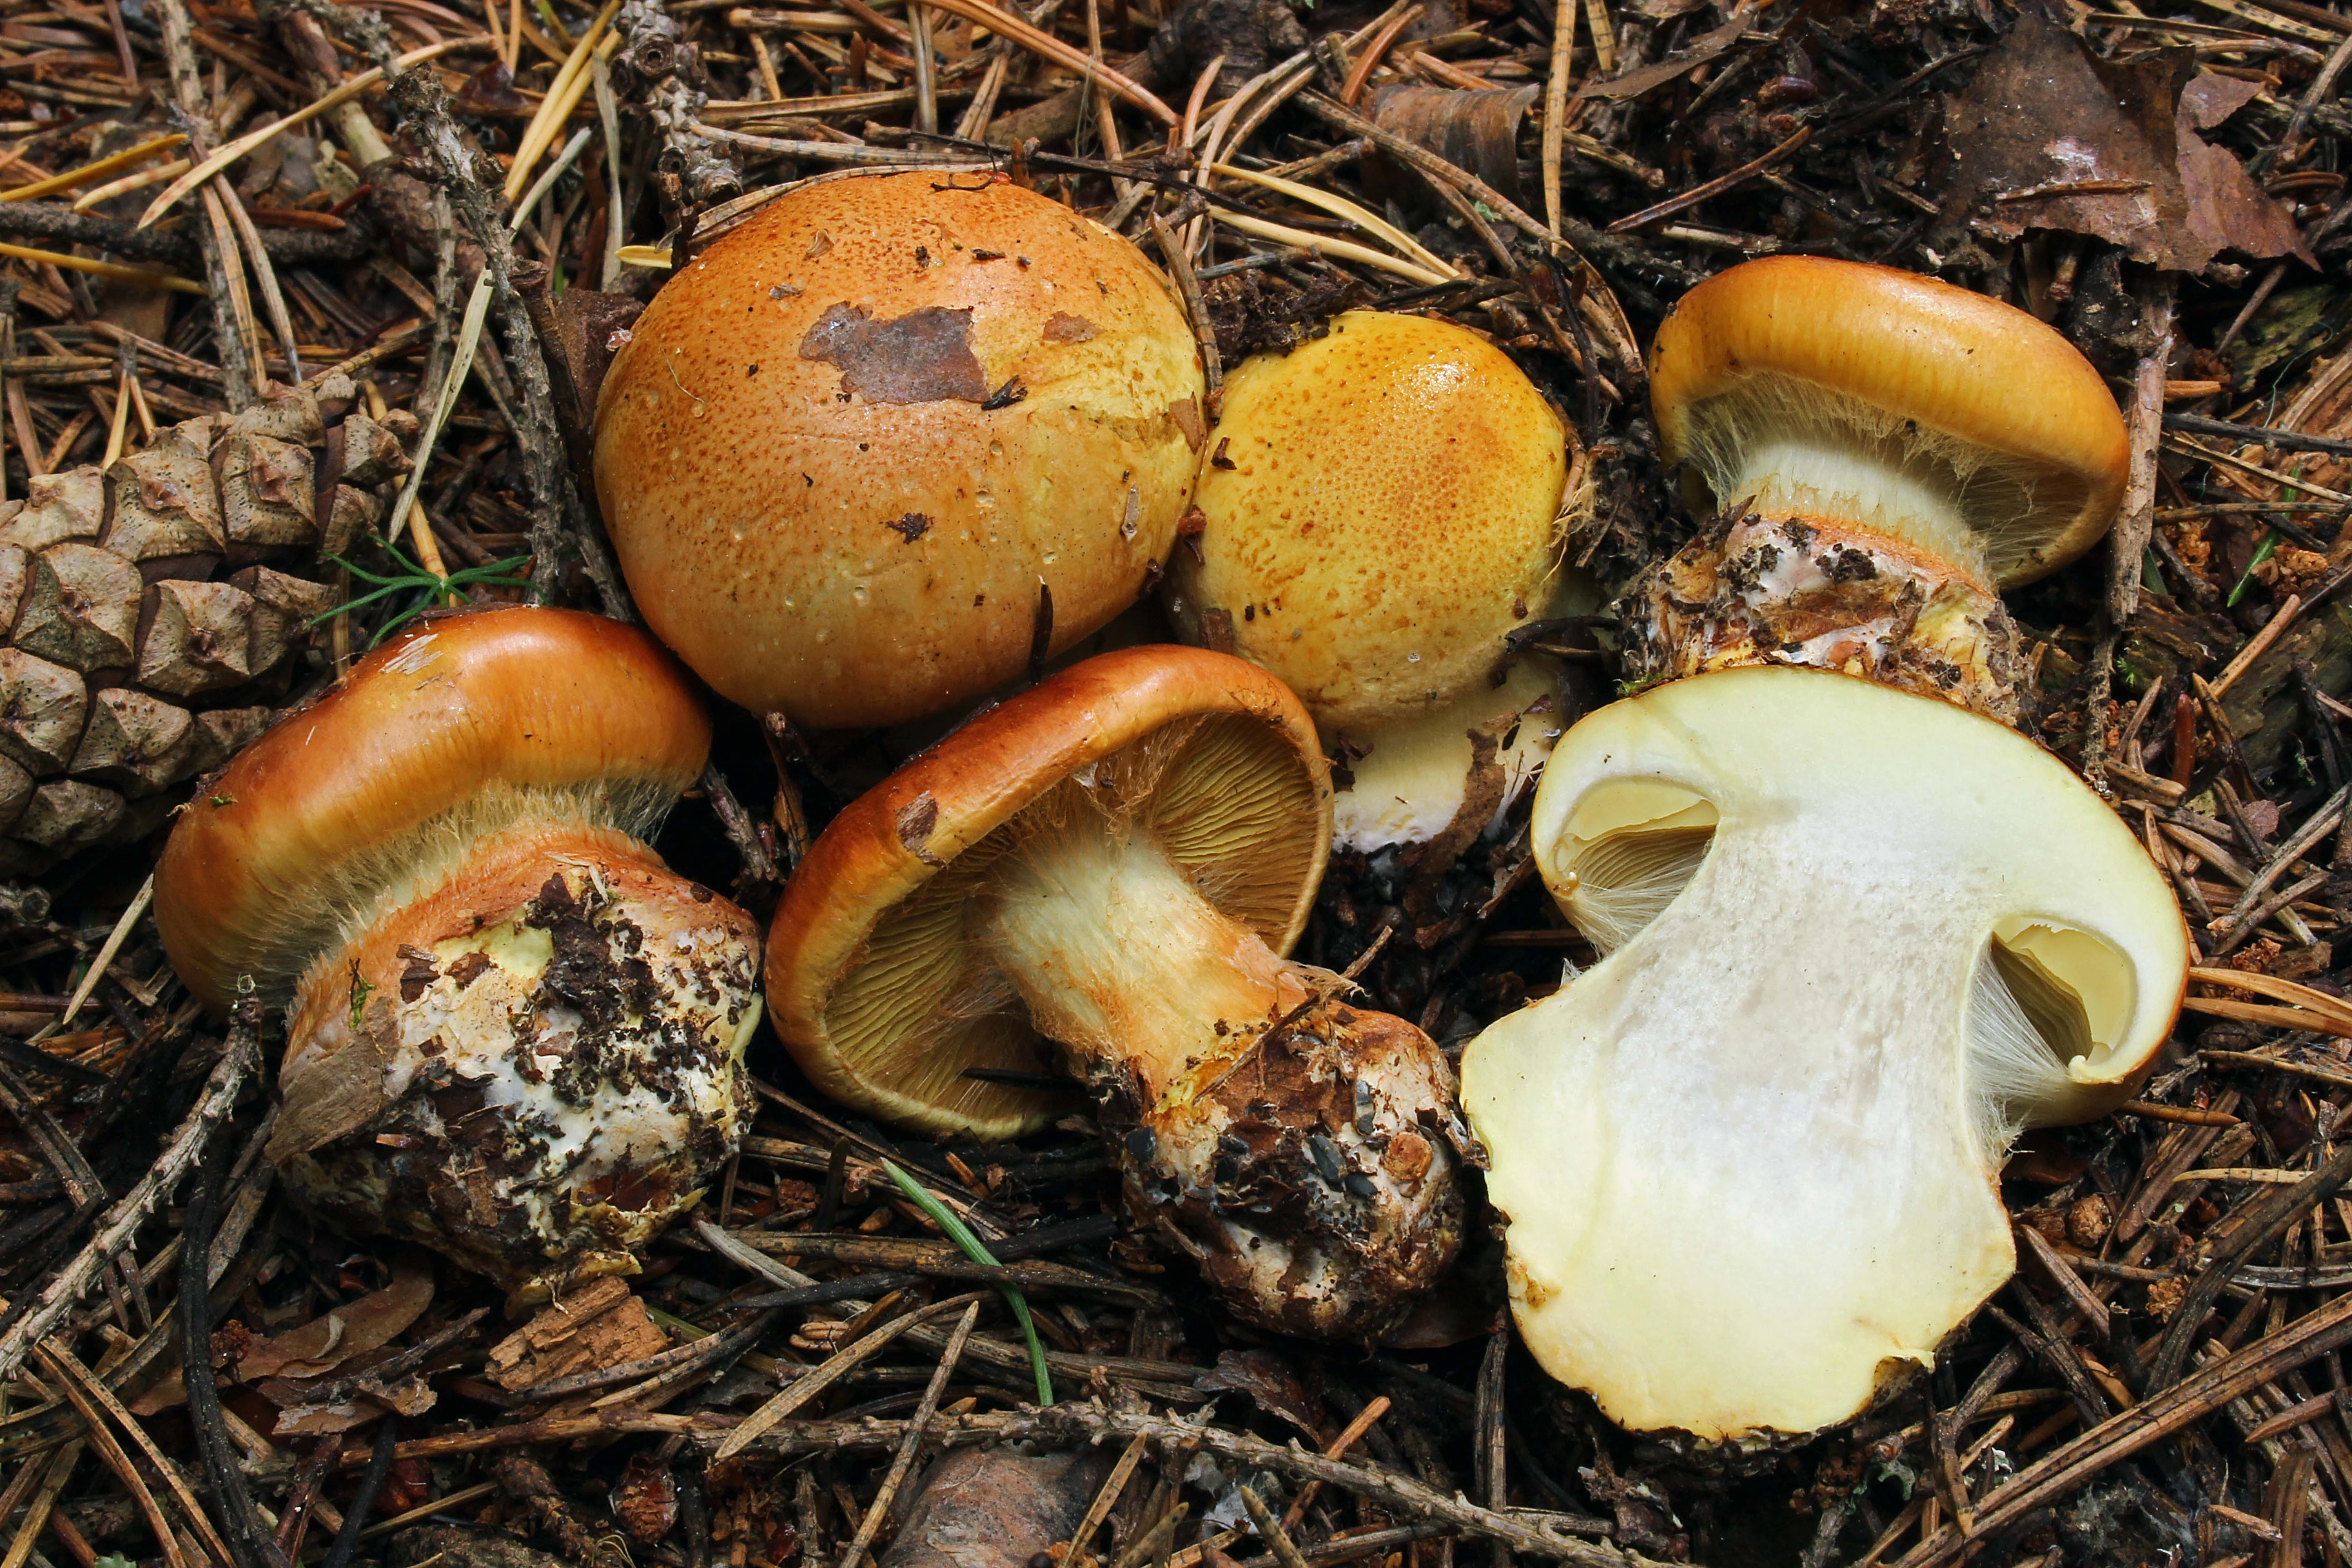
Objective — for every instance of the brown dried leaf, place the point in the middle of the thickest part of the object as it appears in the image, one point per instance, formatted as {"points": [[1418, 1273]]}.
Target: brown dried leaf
{"points": [[1272, 1383], [2047, 135]]}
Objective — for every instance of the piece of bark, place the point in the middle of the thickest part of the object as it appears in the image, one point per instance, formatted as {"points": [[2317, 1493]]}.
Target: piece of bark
{"points": [[136, 742], [598, 1324], [66, 814], [56, 507], [195, 638], [42, 710], [576, 332], [268, 495], [166, 510], [992, 1508], [80, 608]]}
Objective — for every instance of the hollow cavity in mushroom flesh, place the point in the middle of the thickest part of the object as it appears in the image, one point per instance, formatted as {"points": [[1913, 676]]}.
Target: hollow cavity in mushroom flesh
{"points": [[534, 1067], [1749, 1160], [1303, 1152]]}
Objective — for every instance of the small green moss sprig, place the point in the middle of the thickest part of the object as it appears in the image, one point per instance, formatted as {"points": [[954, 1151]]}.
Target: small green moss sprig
{"points": [[432, 584]]}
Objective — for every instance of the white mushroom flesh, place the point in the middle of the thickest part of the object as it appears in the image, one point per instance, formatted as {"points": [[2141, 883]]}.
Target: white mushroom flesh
{"points": [[1854, 939]]}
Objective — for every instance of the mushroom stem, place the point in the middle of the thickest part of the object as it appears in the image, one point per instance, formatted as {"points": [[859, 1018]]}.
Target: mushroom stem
{"points": [[1446, 771], [1122, 961], [1301, 1151], [529, 1059], [1816, 589]]}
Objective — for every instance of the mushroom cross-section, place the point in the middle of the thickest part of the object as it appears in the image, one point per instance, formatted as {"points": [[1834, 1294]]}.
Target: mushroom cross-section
{"points": [[1116, 861], [854, 451], [1381, 510], [515, 1035], [1855, 937]]}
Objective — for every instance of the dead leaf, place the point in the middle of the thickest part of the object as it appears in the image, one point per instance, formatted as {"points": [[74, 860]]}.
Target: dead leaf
{"points": [[1271, 1383], [2047, 135], [323, 1344], [1639, 79]]}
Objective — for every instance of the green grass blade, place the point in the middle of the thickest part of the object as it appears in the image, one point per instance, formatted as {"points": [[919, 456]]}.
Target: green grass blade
{"points": [[960, 1234]]}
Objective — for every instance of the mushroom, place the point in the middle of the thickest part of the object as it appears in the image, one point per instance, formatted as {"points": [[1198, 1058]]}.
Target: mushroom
{"points": [[1882, 454], [1856, 933], [515, 1035], [1382, 510], [1854, 939], [1116, 860], [854, 453]]}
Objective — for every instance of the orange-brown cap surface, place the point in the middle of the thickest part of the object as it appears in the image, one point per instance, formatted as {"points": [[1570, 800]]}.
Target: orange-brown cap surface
{"points": [[868, 959], [1983, 376], [843, 446], [328, 805]]}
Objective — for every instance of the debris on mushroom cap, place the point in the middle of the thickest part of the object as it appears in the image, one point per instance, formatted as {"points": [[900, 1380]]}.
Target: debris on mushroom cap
{"points": [[844, 446], [1383, 509], [1855, 939], [1862, 396], [1113, 863], [515, 1036]]}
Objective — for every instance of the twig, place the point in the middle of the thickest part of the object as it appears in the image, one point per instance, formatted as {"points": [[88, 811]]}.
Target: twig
{"points": [[122, 1222], [905, 1457], [248, 1542]]}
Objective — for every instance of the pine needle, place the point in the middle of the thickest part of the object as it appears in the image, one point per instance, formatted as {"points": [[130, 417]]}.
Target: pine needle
{"points": [[961, 1235]]}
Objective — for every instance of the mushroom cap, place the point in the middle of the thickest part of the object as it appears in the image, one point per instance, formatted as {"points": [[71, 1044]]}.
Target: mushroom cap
{"points": [[1750, 1158], [2007, 394], [843, 446], [1382, 508], [353, 794], [869, 957]]}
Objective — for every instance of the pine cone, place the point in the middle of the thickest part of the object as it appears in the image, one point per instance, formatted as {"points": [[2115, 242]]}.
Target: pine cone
{"points": [[152, 615]]}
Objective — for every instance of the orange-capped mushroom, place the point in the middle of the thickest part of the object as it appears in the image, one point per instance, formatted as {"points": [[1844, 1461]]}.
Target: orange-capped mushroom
{"points": [[1105, 871], [848, 446], [514, 1034]]}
